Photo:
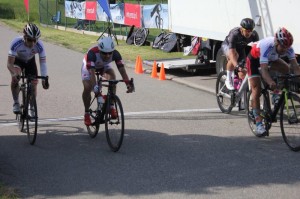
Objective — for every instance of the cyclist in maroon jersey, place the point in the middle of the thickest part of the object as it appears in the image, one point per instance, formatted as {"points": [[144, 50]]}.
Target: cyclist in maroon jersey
{"points": [[99, 58]]}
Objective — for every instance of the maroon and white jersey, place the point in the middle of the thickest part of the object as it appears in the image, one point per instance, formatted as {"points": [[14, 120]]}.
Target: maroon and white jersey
{"points": [[92, 59]]}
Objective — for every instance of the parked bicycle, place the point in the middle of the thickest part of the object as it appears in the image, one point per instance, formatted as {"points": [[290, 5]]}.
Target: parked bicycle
{"points": [[28, 116], [100, 113], [228, 99], [289, 115]]}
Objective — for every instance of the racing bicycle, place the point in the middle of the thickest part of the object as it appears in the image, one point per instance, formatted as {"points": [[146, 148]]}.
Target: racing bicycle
{"points": [[228, 99], [28, 116], [288, 108], [100, 112]]}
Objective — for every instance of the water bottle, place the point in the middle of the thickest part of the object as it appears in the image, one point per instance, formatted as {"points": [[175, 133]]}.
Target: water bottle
{"points": [[100, 100], [236, 82]]}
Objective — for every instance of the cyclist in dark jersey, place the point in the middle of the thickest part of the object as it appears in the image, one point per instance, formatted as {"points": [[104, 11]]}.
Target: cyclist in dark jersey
{"points": [[22, 55], [265, 56], [99, 58], [234, 47]]}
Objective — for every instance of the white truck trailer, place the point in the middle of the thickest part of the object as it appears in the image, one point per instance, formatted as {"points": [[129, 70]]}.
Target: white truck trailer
{"points": [[213, 19]]}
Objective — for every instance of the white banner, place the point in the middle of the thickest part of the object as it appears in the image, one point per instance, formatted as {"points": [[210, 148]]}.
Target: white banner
{"points": [[155, 16], [75, 9], [117, 13]]}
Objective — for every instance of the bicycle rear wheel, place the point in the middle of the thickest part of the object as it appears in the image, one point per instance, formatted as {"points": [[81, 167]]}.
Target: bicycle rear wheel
{"points": [[264, 97], [31, 117], [114, 126], [93, 129], [290, 122], [223, 94]]}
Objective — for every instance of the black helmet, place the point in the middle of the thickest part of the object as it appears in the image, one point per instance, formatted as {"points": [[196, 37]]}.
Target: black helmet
{"points": [[32, 31], [248, 24]]}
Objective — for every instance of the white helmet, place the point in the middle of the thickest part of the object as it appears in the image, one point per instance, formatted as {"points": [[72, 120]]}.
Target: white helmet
{"points": [[106, 44]]}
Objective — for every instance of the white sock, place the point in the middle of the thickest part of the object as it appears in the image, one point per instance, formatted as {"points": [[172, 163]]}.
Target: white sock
{"points": [[230, 75]]}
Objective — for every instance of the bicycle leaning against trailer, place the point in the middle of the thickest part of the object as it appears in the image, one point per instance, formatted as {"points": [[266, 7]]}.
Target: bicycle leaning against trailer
{"points": [[100, 113], [28, 116], [289, 107]]}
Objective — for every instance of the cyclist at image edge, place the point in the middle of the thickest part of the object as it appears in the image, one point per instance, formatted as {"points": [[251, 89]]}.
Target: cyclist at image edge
{"points": [[22, 55], [265, 53], [99, 58], [234, 48]]}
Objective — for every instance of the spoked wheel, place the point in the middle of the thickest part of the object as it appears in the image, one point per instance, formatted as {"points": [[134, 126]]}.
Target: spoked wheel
{"points": [[290, 122], [140, 36], [114, 123], [21, 116], [264, 112], [93, 129], [31, 118], [223, 94]]}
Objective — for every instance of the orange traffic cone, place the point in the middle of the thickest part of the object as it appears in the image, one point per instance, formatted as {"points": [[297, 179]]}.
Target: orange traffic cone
{"points": [[162, 75], [137, 63], [154, 70], [140, 66]]}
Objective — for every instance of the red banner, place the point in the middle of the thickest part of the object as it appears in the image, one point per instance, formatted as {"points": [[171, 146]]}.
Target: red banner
{"points": [[90, 10], [26, 3], [132, 15]]}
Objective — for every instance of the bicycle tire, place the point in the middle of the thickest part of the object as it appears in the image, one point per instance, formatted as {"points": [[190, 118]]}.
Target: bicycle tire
{"points": [[223, 94], [31, 121], [290, 122], [21, 116], [93, 129], [264, 97], [114, 127], [140, 36]]}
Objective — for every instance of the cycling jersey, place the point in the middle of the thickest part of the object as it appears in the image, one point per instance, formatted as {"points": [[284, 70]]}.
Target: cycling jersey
{"points": [[264, 52], [236, 40], [24, 54], [93, 60]]}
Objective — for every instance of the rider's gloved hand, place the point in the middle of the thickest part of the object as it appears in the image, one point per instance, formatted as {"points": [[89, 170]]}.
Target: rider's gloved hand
{"points": [[45, 83], [96, 89], [130, 86], [272, 85]]}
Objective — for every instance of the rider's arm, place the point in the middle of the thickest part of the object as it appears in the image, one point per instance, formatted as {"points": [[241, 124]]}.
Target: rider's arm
{"points": [[266, 76], [42, 58], [93, 76], [10, 65], [295, 66]]}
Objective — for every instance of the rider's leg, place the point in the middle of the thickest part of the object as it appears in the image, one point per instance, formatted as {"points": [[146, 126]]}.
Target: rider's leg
{"points": [[110, 74], [15, 89], [230, 54], [255, 83]]}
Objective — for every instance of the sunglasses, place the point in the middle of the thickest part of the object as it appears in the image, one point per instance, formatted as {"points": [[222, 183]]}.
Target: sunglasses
{"points": [[106, 53], [31, 40], [248, 31]]}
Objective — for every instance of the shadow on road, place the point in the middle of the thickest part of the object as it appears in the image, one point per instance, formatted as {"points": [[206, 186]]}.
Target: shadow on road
{"points": [[66, 162]]}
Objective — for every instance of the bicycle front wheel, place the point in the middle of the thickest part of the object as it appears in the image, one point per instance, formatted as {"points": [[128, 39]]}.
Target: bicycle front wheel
{"points": [[21, 116], [290, 121], [31, 117], [114, 123], [223, 94]]}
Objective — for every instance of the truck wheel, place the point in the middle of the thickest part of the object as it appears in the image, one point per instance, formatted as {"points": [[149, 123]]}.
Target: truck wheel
{"points": [[221, 61]]}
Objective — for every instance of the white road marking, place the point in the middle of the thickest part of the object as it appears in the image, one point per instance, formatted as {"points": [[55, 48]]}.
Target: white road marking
{"points": [[126, 114]]}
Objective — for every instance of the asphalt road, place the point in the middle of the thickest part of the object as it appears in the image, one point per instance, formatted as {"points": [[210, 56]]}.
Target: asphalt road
{"points": [[177, 143]]}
